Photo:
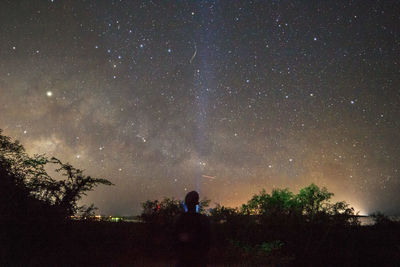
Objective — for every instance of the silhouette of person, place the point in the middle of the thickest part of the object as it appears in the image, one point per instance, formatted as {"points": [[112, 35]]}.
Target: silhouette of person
{"points": [[192, 234]]}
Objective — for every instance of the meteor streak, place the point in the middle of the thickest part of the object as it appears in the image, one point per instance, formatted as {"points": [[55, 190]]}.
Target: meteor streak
{"points": [[208, 176], [194, 54]]}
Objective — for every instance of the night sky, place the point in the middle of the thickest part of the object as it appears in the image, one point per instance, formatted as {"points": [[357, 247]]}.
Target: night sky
{"points": [[223, 97]]}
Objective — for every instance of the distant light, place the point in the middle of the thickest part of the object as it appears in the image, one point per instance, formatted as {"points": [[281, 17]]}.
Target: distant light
{"points": [[49, 93], [14, 48], [315, 39], [169, 50], [25, 132], [290, 160], [78, 156], [352, 102]]}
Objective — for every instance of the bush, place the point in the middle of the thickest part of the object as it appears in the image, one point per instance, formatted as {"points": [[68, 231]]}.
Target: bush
{"points": [[381, 219]]}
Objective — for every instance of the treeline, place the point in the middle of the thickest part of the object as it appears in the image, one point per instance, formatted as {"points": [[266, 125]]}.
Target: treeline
{"points": [[281, 207], [282, 228]]}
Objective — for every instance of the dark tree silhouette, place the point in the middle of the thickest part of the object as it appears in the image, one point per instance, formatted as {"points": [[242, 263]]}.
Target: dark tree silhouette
{"points": [[27, 190], [67, 192]]}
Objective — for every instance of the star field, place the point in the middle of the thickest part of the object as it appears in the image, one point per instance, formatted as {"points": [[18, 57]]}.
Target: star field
{"points": [[223, 97]]}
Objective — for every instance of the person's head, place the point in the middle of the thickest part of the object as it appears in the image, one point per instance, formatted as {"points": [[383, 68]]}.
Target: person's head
{"points": [[191, 200]]}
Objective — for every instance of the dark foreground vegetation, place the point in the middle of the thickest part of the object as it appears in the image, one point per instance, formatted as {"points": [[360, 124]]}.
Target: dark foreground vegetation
{"points": [[276, 229], [82, 243]]}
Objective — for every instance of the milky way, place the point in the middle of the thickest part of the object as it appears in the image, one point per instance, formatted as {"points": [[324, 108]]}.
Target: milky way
{"points": [[225, 97]]}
